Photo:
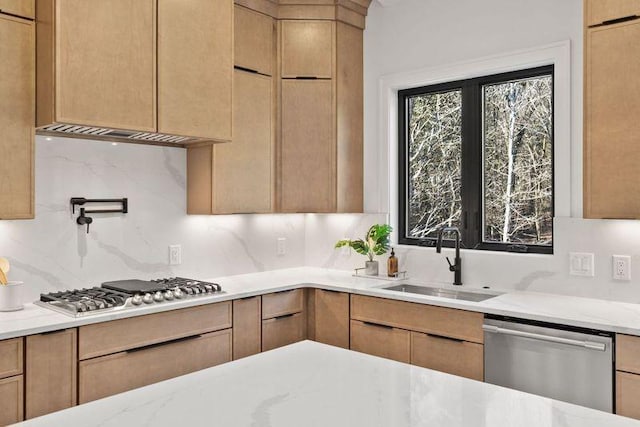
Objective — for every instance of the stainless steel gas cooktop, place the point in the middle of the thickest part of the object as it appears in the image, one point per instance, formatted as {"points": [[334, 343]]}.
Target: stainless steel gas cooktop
{"points": [[126, 294]]}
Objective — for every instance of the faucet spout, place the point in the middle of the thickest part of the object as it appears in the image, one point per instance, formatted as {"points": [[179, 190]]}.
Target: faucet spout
{"points": [[456, 266]]}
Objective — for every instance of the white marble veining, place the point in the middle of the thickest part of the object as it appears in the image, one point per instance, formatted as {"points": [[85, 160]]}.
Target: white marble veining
{"points": [[310, 384], [583, 312]]}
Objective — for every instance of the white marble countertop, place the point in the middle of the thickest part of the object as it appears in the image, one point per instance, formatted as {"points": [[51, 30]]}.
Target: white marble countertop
{"points": [[576, 311], [310, 384]]}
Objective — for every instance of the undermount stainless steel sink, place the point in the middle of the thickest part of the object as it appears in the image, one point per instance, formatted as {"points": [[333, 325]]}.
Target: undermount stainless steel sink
{"points": [[441, 292]]}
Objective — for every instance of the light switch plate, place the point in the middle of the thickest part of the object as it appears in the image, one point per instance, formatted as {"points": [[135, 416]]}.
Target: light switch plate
{"points": [[175, 254], [581, 264], [281, 246]]}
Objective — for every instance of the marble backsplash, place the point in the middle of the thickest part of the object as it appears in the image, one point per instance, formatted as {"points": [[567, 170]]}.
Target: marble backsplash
{"points": [[53, 253]]}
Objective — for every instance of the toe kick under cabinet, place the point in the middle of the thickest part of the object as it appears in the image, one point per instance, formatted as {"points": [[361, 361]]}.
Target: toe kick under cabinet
{"points": [[439, 338], [129, 353]]}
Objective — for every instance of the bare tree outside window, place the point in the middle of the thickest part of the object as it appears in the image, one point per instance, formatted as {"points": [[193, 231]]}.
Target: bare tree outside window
{"points": [[435, 143], [518, 179]]}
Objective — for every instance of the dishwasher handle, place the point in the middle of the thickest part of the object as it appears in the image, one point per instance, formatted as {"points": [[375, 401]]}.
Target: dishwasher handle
{"points": [[577, 343]]}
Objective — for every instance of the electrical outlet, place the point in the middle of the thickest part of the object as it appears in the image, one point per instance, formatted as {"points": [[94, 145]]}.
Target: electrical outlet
{"points": [[281, 246], [175, 254], [622, 267], [581, 264]]}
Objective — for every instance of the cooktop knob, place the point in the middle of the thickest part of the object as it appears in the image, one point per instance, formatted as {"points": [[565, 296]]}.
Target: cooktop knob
{"points": [[178, 293], [137, 299], [168, 295], [147, 298], [208, 288], [157, 297]]}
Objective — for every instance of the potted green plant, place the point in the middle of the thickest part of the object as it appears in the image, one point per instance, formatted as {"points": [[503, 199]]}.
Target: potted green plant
{"points": [[375, 243]]}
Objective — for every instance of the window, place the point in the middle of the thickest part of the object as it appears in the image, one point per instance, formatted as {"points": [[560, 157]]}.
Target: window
{"points": [[478, 154]]}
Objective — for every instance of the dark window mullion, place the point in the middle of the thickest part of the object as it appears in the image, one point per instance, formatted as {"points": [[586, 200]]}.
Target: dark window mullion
{"points": [[471, 164]]}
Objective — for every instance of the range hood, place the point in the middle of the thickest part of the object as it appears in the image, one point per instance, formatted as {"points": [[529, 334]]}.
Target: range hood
{"points": [[117, 135]]}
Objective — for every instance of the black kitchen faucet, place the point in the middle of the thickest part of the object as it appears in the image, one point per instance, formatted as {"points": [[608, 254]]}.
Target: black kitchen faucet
{"points": [[456, 267]]}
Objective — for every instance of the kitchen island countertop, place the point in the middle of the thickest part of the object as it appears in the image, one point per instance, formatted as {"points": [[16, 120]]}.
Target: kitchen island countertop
{"points": [[310, 384]]}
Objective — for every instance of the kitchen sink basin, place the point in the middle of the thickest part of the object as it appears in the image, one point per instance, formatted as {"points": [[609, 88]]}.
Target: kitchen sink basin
{"points": [[441, 292]]}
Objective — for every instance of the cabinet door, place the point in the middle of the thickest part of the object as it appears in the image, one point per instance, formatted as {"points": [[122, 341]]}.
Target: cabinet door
{"points": [[247, 327], [11, 357], [116, 373], [382, 341], [195, 66], [612, 105], [628, 395], [283, 330], [599, 11], [51, 366], [253, 41], [307, 156], [11, 400], [307, 49], [243, 171], [280, 303], [24, 8], [448, 355], [106, 74], [17, 117], [331, 318]]}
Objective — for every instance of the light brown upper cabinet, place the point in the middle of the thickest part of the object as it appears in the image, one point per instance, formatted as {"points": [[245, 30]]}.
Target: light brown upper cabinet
{"points": [[321, 154], [253, 41], [602, 11], [240, 177], [23, 8], [96, 63], [148, 71], [17, 115], [195, 68], [307, 152], [307, 49], [612, 106]]}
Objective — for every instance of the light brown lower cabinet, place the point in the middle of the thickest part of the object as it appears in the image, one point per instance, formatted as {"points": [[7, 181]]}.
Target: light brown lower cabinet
{"points": [[11, 400], [116, 373], [50, 372], [280, 303], [329, 317], [448, 355], [380, 340], [628, 395], [247, 327], [283, 330]]}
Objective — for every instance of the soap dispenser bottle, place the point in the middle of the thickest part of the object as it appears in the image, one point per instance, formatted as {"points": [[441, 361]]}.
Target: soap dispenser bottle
{"points": [[392, 265]]}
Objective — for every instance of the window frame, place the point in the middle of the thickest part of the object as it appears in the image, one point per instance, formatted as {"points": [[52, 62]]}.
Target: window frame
{"points": [[472, 162]]}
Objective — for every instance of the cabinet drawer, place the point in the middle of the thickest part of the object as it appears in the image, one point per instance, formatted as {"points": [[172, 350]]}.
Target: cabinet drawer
{"points": [[111, 337], [247, 327], [282, 331], [382, 341], [116, 373], [447, 322], [11, 400], [24, 8], [599, 11], [455, 357], [628, 353], [10, 357], [281, 303], [628, 395]]}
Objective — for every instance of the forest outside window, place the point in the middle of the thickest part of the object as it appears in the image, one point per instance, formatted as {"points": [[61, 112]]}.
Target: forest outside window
{"points": [[478, 154]]}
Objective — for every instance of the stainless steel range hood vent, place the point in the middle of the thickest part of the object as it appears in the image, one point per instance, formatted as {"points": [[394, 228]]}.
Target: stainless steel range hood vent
{"points": [[90, 132]]}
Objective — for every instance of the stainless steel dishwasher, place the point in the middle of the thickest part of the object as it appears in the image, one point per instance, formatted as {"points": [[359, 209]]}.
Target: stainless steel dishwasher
{"points": [[570, 364]]}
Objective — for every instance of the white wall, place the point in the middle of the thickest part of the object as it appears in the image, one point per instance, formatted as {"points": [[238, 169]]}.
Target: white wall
{"points": [[53, 252]]}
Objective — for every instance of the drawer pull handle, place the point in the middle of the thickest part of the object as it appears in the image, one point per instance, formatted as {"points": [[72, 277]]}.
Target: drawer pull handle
{"points": [[377, 325], [619, 20], [284, 316], [442, 337], [160, 344]]}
